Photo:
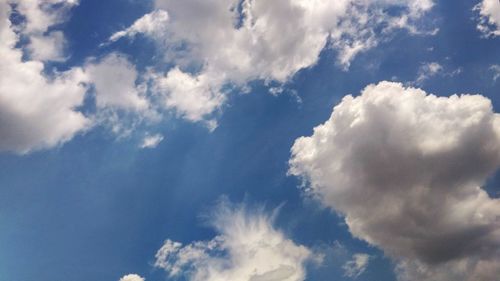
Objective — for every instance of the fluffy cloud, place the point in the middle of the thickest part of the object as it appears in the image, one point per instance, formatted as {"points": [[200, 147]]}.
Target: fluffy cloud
{"points": [[489, 17], [48, 48], [122, 102], [40, 16], [114, 79], [248, 248], [192, 97], [37, 111], [406, 168], [228, 42], [40, 109], [132, 277]]}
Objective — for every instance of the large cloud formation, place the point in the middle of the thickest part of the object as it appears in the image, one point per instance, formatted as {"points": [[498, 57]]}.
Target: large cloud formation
{"points": [[406, 168], [36, 111], [248, 248], [217, 43], [214, 46]]}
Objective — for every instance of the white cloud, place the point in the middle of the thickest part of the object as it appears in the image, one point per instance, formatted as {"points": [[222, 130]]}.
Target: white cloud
{"points": [[114, 79], [151, 141], [489, 17], [218, 43], [150, 24], [210, 58], [247, 248], [40, 16], [405, 169], [356, 266], [192, 97], [429, 70], [132, 277], [121, 99], [48, 48], [37, 111], [40, 110]]}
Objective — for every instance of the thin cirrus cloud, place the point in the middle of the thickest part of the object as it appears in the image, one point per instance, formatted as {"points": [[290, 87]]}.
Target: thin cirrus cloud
{"points": [[247, 248], [405, 169], [495, 69], [218, 43], [430, 70], [357, 265]]}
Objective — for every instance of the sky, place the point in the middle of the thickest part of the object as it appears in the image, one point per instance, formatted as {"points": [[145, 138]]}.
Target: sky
{"points": [[249, 140]]}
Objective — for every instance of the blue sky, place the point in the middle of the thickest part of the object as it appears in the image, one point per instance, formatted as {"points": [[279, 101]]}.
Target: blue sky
{"points": [[88, 200]]}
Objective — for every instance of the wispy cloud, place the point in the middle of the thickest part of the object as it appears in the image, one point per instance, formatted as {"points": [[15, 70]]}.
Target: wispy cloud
{"points": [[356, 266], [496, 71], [247, 247]]}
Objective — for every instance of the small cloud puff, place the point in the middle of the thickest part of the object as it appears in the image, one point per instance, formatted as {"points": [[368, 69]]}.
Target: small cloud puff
{"points": [[132, 277], [151, 141]]}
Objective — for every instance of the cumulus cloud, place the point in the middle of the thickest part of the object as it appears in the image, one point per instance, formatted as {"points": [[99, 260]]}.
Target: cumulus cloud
{"points": [[246, 41], [122, 102], [37, 111], [41, 109], [405, 169], [218, 43], [356, 266], [132, 277], [192, 97], [40, 16], [247, 248], [489, 17]]}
